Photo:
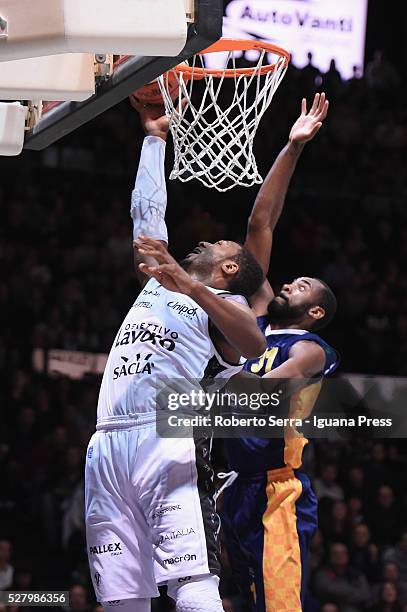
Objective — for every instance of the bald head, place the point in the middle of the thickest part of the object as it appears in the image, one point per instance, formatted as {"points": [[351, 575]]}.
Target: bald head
{"points": [[306, 303]]}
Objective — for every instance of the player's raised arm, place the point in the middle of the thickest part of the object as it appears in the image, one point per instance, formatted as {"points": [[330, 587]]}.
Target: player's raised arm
{"points": [[270, 199], [149, 196]]}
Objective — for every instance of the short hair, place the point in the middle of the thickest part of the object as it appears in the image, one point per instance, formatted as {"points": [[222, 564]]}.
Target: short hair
{"points": [[327, 301], [249, 277]]}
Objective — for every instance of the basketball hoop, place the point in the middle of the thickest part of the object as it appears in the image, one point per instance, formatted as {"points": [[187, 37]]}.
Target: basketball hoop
{"points": [[213, 135]]}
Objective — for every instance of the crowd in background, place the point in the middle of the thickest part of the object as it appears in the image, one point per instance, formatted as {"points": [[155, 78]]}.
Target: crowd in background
{"points": [[67, 281]]}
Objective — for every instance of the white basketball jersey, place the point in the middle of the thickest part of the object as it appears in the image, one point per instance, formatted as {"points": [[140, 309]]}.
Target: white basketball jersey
{"points": [[164, 335]]}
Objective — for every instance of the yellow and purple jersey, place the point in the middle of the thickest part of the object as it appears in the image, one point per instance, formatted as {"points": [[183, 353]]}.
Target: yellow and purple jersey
{"points": [[269, 513], [279, 344], [252, 455]]}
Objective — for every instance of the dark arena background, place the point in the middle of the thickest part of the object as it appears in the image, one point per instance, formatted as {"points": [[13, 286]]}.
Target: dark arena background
{"points": [[67, 281]]}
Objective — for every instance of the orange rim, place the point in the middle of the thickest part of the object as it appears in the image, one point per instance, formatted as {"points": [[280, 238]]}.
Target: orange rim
{"points": [[230, 44]]}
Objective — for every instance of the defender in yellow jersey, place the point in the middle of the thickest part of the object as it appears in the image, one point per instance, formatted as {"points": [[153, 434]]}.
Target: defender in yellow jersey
{"points": [[269, 513]]}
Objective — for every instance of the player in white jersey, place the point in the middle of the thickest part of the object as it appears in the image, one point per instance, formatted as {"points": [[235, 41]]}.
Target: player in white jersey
{"points": [[150, 516]]}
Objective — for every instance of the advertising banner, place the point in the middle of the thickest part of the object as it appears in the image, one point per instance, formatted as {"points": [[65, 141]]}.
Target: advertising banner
{"points": [[327, 28]]}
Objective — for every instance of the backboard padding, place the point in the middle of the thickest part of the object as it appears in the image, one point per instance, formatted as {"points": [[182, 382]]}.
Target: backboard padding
{"points": [[128, 77]]}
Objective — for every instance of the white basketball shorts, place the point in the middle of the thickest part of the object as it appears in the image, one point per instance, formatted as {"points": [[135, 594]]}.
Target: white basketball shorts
{"points": [[149, 508]]}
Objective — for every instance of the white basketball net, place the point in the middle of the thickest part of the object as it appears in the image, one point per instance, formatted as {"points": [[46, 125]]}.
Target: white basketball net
{"points": [[213, 135]]}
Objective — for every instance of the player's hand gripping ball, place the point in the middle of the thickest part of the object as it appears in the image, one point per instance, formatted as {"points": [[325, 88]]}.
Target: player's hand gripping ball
{"points": [[151, 93]]}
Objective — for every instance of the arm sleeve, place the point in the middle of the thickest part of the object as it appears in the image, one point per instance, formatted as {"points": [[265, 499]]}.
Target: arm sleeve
{"points": [[149, 196]]}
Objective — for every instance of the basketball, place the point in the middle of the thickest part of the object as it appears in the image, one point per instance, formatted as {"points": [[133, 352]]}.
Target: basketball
{"points": [[151, 93]]}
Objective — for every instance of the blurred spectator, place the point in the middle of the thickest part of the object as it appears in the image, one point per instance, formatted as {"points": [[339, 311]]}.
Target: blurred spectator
{"points": [[341, 584], [388, 599], [316, 552], [378, 472], [78, 599], [355, 507], [331, 81], [4, 608], [330, 607], [356, 87], [398, 555], [326, 484], [391, 574], [73, 520], [6, 569], [335, 525], [356, 485], [381, 76], [364, 555], [23, 580], [310, 77], [384, 517]]}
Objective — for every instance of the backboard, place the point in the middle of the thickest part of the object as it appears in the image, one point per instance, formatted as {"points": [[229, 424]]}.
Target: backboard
{"points": [[205, 27]]}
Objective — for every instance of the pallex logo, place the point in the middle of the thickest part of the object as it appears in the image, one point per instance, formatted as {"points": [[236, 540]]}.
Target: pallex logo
{"points": [[114, 549], [183, 309]]}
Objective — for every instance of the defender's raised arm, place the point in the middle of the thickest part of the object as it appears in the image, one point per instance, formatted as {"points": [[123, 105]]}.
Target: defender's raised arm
{"points": [[271, 197]]}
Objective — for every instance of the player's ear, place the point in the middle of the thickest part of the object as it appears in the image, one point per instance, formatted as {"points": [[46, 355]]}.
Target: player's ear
{"points": [[317, 312], [230, 267]]}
